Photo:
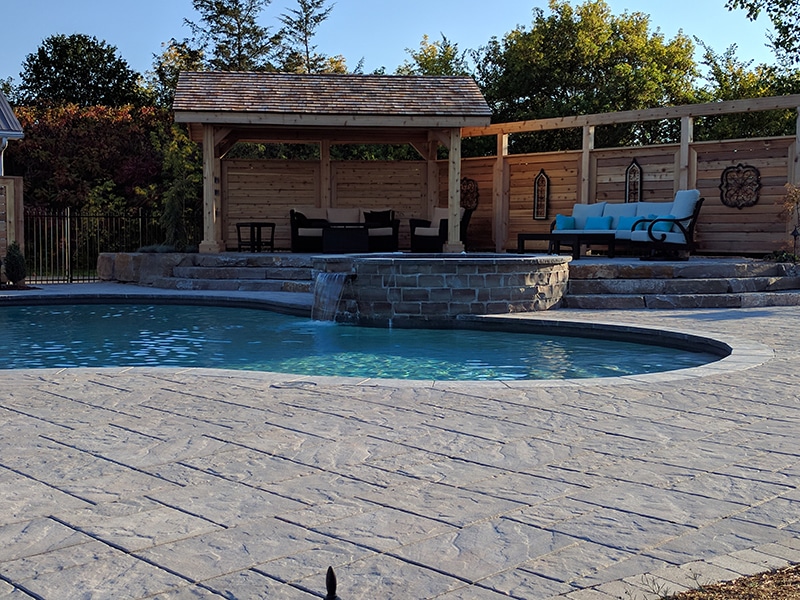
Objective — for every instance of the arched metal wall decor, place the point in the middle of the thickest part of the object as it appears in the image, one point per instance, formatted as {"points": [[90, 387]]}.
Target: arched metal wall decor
{"points": [[739, 186], [541, 195], [633, 182]]}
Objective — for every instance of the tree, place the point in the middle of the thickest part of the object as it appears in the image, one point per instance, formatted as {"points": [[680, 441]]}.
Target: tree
{"points": [[183, 191], [7, 88], [78, 69], [438, 58], [731, 79], [584, 60], [300, 26], [163, 79], [785, 17], [99, 156], [16, 270], [230, 36]]}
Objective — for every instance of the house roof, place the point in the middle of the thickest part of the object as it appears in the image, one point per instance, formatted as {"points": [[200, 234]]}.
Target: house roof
{"points": [[9, 125], [329, 100]]}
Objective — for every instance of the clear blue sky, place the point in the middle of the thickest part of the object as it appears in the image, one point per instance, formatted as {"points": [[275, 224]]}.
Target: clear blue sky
{"points": [[379, 31]]}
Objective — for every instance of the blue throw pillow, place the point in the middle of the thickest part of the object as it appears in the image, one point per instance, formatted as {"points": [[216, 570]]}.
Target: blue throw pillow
{"points": [[563, 222], [598, 223], [662, 225], [626, 223]]}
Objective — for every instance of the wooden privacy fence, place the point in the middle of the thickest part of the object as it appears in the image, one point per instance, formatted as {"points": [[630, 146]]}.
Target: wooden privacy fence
{"points": [[63, 246], [742, 180]]}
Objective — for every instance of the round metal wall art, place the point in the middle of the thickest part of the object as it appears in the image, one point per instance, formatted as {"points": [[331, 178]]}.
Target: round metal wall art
{"points": [[740, 186], [469, 193]]}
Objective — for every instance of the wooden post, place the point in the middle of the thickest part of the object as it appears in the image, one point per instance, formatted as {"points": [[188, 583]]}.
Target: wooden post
{"points": [[326, 179], [212, 210], [684, 162], [454, 243], [499, 196], [12, 226], [432, 176], [794, 173], [586, 163]]}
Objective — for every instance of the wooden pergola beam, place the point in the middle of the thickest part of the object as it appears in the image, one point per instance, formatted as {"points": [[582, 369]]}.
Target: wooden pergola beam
{"points": [[635, 116]]}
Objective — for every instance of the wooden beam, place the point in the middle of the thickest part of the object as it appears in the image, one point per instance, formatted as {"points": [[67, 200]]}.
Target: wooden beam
{"points": [[635, 116], [586, 163], [794, 174], [454, 243], [212, 224], [432, 148], [687, 138], [337, 121], [499, 196], [325, 182]]}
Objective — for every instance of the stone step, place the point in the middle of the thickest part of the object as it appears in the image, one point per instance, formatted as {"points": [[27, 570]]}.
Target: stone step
{"points": [[682, 286], [669, 301], [244, 259], [240, 285], [701, 269], [243, 272]]}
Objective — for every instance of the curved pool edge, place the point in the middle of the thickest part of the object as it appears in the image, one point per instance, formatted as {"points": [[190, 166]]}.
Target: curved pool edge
{"points": [[737, 354]]}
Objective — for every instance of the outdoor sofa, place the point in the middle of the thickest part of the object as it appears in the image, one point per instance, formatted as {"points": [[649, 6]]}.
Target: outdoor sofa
{"points": [[343, 230], [657, 228]]}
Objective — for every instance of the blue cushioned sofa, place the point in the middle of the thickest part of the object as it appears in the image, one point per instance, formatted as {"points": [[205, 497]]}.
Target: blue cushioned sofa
{"points": [[654, 227]]}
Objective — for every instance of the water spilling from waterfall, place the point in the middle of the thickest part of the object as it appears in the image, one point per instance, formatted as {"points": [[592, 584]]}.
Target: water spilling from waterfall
{"points": [[328, 290]]}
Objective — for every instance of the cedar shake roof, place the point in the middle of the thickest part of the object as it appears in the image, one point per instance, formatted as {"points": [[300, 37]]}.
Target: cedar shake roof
{"points": [[328, 100], [9, 125]]}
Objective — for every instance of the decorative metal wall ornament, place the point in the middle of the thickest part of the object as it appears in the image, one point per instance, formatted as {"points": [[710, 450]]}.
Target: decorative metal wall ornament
{"points": [[541, 195], [469, 193], [739, 186], [633, 182]]}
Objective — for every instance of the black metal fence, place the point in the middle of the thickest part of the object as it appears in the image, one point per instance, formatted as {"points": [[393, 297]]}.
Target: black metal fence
{"points": [[63, 246]]}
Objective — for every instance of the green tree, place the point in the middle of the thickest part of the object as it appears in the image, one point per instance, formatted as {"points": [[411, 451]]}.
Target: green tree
{"points": [[441, 57], [78, 69], [785, 17], [230, 36], [163, 79], [99, 156], [299, 27], [585, 60], [729, 78], [7, 89], [16, 270], [182, 214]]}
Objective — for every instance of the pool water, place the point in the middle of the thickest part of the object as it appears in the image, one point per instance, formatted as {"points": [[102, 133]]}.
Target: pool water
{"points": [[129, 335]]}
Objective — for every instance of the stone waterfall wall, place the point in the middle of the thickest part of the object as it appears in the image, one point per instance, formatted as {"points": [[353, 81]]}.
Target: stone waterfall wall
{"points": [[418, 288]]}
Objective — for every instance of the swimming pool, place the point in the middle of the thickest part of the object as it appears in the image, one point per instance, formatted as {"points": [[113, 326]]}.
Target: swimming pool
{"points": [[122, 335]]}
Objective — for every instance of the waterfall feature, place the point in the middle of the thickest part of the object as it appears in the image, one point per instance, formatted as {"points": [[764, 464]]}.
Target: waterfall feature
{"points": [[328, 289]]}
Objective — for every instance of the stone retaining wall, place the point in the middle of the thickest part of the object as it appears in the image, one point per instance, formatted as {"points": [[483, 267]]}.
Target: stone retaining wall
{"points": [[394, 289]]}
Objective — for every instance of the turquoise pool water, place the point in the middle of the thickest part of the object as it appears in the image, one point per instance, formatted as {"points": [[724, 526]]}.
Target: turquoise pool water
{"points": [[249, 339]]}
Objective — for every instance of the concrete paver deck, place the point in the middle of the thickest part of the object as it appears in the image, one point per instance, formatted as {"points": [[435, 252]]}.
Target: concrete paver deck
{"points": [[194, 483]]}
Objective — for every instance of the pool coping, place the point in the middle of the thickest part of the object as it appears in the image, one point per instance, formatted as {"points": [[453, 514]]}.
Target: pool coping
{"points": [[736, 353]]}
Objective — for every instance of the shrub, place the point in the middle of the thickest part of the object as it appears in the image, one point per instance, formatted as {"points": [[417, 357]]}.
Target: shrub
{"points": [[15, 264]]}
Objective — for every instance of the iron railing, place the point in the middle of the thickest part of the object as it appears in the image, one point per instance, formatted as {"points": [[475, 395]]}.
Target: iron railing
{"points": [[63, 246]]}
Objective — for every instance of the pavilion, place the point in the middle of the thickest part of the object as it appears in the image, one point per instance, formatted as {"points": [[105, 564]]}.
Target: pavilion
{"points": [[224, 108]]}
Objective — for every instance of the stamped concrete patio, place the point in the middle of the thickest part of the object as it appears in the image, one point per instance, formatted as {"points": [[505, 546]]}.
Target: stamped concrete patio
{"points": [[163, 483]]}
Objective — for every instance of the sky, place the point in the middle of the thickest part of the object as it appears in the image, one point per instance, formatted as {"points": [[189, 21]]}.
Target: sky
{"points": [[377, 31]]}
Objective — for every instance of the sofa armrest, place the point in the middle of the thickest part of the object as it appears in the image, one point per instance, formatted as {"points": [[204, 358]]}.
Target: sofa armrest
{"points": [[414, 223]]}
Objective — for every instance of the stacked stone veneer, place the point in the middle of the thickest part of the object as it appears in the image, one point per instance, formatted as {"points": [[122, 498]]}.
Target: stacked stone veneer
{"points": [[394, 289]]}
